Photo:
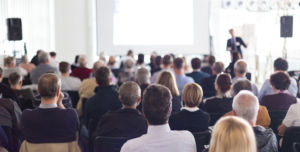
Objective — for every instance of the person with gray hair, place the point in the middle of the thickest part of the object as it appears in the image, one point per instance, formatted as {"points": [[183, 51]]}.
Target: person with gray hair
{"points": [[43, 67], [127, 121], [245, 105], [240, 70], [82, 72], [25, 64], [129, 71], [143, 78]]}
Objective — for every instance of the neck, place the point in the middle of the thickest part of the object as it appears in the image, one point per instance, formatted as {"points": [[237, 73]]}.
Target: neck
{"points": [[48, 101], [129, 107], [178, 71], [10, 66], [196, 70], [16, 87], [64, 75], [240, 75], [166, 67], [252, 124]]}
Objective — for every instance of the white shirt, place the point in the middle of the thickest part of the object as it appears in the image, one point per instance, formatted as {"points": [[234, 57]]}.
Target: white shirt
{"points": [[160, 138], [70, 83], [292, 117]]}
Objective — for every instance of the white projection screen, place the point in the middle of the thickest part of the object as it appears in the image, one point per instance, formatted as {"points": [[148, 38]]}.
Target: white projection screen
{"points": [[164, 26]]}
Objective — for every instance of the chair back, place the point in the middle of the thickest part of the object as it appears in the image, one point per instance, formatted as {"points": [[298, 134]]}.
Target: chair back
{"points": [[291, 135], [26, 97], [109, 144], [214, 117], [74, 95], [296, 147], [202, 139], [276, 119], [50, 147]]}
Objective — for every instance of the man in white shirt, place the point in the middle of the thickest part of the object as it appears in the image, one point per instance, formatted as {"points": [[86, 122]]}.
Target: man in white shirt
{"points": [[157, 107], [291, 119], [68, 83]]}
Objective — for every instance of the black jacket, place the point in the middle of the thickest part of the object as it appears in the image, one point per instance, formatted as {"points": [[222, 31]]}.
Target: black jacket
{"points": [[218, 105], [265, 139], [208, 86], [176, 104], [237, 46]]}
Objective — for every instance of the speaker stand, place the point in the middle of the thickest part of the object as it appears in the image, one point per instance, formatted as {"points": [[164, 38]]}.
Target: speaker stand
{"points": [[14, 51], [284, 50]]}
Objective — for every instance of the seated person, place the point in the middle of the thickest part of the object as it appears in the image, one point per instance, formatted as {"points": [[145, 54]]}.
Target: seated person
{"points": [[6, 91], [263, 118], [291, 119], [190, 117], [125, 122], [25, 64], [82, 72], [159, 138], [68, 83], [10, 67], [128, 72], [181, 78], [281, 99], [197, 74], [222, 102], [50, 122], [245, 105]]}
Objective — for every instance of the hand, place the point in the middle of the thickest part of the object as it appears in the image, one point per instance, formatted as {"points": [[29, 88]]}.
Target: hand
{"points": [[59, 101], [229, 48], [281, 129]]}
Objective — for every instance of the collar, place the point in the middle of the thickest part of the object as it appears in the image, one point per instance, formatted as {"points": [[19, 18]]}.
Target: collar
{"points": [[157, 129], [48, 106], [281, 91], [190, 109]]}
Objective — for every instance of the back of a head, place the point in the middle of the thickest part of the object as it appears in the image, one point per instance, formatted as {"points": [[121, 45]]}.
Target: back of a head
{"points": [[129, 63], [196, 63], [211, 60], [111, 60], [223, 81], [167, 60], [82, 61], [218, 67], [178, 63], [240, 66], [130, 53], [24, 59], [245, 105], [140, 59], [280, 80], [97, 65], [9, 61], [52, 54], [167, 79], [129, 93], [157, 104], [232, 134], [281, 64], [102, 76], [64, 67], [48, 85], [192, 95], [143, 76], [158, 60], [243, 84], [43, 57], [14, 78]]}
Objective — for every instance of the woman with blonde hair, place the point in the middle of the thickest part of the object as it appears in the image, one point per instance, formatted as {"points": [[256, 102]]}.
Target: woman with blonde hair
{"points": [[167, 79], [190, 117], [232, 134]]}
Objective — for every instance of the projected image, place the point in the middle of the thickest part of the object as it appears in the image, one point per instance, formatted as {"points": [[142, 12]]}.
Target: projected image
{"points": [[153, 22]]}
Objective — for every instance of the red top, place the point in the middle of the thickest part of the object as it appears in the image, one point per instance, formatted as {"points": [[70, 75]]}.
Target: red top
{"points": [[81, 73]]}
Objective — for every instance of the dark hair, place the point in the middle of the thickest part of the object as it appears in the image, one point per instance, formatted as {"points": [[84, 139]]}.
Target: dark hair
{"points": [[140, 59], [52, 54], [178, 63], [14, 78], [64, 67], [196, 63], [102, 76], [211, 59], [76, 58], [281, 64], [158, 60], [240, 85], [48, 85], [223, 81], [218, 67], [280, 81], [167, 60], [157, 104]]}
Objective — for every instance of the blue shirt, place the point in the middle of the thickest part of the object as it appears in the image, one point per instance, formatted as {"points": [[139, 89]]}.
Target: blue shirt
{"points": [[182, 80], [198, 76]]}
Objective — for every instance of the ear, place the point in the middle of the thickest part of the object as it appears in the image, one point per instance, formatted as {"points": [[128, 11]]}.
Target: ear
{"points": [[20, 83], [234, 113], [58, 92], [138, 101]]}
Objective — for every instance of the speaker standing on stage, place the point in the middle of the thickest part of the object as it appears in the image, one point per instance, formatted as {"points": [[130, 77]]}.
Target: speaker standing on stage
{"points": [[234, 43]]}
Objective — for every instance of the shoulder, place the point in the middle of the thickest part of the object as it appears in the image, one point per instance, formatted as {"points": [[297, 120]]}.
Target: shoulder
{"points": [[183, 135]]}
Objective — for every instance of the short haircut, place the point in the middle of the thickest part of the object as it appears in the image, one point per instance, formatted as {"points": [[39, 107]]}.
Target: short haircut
{"points": [[192, 95], [48, 85], [158, 60], [280, 80], [167, 79], [82, 61], [223, 81], [167, 60], [211, 59], [218, 67], [129, 63], [240, 85], [240, 66], [196, 63], [9, 60], [245, 105], [52, 54], [102, 76], [24, 59], [14, 78], [281, 64], [157, 104], [129, 93], [143, 76], [178, 63], [43, 57], [111, 60], [64, 67], [97, 65], [141, 58]]}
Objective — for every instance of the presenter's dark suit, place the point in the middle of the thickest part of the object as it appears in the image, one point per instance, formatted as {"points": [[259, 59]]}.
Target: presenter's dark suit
{"points": [[235, 44]]}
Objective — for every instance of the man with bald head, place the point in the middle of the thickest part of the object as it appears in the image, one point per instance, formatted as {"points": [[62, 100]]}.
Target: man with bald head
{"points": [[245, 105]]}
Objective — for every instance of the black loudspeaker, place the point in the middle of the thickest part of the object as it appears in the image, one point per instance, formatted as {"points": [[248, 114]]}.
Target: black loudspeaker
{"points": [[286, 26], [14, 29]]}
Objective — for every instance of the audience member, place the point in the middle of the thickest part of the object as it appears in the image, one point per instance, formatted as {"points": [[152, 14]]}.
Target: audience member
{"points": [[143, 80], [157, 67], [129, 55], [207, 84], [15, 81], [152, 63], [35, 59], [167, 79], [232, 134], [222, 102], [181, 78], [240, 70], [190, 117], [53, 61], [197, 74], [75, 64], [291, 119], [82, 72], [10, 67], [50, 122], [68, 83], [209, 62], [245, 105], [125, 122], [159, 138], [6, 91], [167, 63], [111, 62], [141, 60], [230, 69], [280, 65], [263, 118], [43, 67], [26, 65], [105, 99], [281, 99], [128, 74]]}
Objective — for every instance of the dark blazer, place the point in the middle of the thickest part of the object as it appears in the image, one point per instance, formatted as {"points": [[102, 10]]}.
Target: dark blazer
{"points": [[279, 101], [198, 76], [235, 47], [176, 104], [208, 86], [121, 123], [218, 105], [192, 121], [8, 93]]}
